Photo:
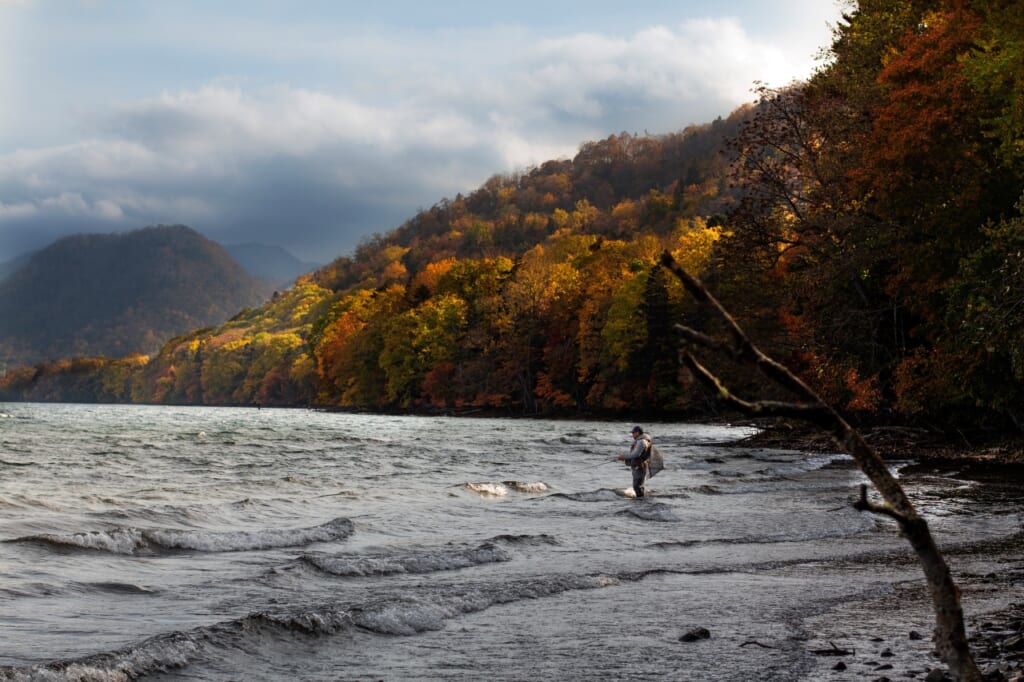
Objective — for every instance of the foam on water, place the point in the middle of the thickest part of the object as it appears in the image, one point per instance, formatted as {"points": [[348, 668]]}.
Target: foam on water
{"points": [[488, 489], [526, 487]]}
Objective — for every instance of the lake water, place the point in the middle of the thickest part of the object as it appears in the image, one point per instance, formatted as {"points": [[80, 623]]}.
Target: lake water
{"points": [[172, 543]]}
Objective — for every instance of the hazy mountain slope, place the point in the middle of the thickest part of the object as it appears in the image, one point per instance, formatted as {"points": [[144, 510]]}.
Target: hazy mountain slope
{"points": [[8, 268], [272, 264], [116, 294]]}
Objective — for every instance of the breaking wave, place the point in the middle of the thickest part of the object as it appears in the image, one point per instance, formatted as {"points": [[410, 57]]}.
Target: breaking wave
{"points": [[523, 487], [488, 489], [602, 495], [651, 512], [401, 616], [502, 489], [136, 540], [413, 562]]}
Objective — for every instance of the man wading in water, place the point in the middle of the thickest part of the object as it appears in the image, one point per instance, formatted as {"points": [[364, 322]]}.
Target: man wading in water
{"points": [[637, 459]]}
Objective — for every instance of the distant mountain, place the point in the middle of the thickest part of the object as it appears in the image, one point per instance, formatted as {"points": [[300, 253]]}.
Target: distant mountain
{"points": [[272, 264], [8, 268], [118, 294]]}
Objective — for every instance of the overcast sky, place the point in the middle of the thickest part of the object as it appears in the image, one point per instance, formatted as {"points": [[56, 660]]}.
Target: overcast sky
{"points": [[312, 124]]}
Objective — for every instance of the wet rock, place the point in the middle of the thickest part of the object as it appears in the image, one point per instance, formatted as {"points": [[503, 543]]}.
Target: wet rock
{"points": [[994, 675], [887, 666], [840, 666], [887, 653], [936, 675], [695, 634], [915, 635]]}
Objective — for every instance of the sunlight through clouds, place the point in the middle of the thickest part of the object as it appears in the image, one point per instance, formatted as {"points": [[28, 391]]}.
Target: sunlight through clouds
{"points": [[336, 130]]}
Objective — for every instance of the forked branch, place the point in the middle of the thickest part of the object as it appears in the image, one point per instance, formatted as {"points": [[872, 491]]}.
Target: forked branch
{"points": [[950, 635]]}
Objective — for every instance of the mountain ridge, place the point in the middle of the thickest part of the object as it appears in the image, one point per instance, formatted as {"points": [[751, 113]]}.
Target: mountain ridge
{"points": [[119, 294], [274, 264]]}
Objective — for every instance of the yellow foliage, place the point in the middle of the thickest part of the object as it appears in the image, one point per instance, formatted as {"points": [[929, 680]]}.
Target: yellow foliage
{"points": [[394, 252], [694, 244], [560, 217], [626, 214], [584, 215]]}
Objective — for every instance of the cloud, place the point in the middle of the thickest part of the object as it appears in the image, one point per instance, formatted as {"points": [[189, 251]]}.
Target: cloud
{"points": [[316, 169]]}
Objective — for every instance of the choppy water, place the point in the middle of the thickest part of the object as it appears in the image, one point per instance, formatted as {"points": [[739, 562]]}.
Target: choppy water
{"points": [[228, 544]]}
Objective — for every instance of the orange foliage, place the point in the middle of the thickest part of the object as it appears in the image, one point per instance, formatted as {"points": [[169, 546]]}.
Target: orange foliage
{"points": [[331, 353], [438, 385], [864, 393], [430, 276], [924, 380], [551, 394]]}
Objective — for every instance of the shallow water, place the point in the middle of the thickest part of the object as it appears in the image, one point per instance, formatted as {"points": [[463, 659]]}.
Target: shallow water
{"points": [[224, 544]]}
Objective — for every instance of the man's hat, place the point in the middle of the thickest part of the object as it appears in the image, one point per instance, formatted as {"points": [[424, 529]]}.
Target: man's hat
{"points": [[637, 429]]}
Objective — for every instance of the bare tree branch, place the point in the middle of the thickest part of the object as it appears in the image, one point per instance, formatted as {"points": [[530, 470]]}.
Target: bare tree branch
{"points": [[744, 348], [863, 504], [760, 408], [697, 338], [950, 635]]}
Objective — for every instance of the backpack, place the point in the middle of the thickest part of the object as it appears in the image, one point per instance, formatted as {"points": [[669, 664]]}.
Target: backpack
{"points": [[655, 462]]}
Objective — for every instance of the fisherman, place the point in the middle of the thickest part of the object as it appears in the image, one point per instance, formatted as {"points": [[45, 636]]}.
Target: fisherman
{"points": [[637, 458]]}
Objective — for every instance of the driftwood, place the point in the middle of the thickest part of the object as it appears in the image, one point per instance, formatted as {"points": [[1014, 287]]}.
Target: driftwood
{"points": [[950, 636], [833, 651]]}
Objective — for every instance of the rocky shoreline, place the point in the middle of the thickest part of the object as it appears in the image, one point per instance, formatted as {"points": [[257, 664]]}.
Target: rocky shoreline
{"points": [[996, 637], [897, 442], [998, 644]]}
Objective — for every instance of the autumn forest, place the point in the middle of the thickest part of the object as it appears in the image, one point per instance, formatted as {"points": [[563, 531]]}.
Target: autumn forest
{"points": [[865, 226]]}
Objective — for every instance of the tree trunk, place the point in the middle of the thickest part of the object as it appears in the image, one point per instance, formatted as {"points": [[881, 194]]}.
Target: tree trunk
{"points": [[950, 634]]}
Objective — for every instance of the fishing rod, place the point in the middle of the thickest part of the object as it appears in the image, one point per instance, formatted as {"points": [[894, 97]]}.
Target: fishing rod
{"points": [[604, 461]]}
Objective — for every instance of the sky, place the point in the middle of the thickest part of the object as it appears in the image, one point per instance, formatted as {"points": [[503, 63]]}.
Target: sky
{"points": [[314, 124]]}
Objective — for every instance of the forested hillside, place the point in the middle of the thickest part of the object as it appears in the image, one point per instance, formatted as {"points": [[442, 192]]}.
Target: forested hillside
{"points": [[522, 296], [115, 294], [865, 226]]}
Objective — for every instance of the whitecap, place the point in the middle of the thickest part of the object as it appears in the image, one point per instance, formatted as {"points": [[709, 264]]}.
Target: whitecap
{"points": [[524, 487], [234, 541], [488, 489], [133, 540], [117, 541]]}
